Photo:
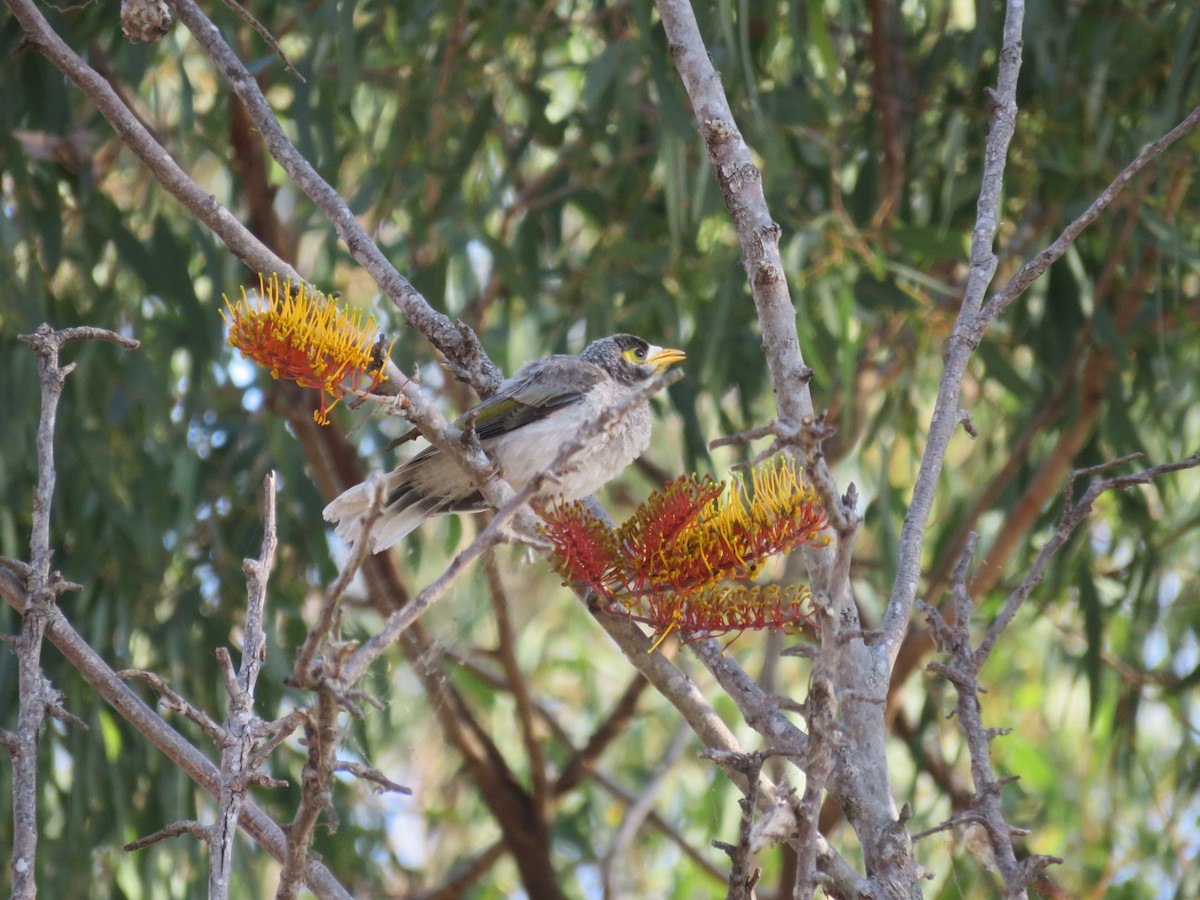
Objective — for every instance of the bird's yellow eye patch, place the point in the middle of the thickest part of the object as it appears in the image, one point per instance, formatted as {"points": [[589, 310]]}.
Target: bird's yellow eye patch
{"points": [[636, 355]]}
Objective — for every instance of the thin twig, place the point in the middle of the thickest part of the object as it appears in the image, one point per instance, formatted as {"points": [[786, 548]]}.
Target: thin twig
{"points": [[820, 712], [246, 16], [1070, 521], [174, 702], [37, 698], [962, 342], [965, 817], [175, 829], [301, 672], [240, 723], [742, 879], [961, 670], [369, 773], [1036, 267], [321, 734], [279, 731]]}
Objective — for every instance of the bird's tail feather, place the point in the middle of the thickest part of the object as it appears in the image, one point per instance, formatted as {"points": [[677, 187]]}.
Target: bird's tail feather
{"points": [[404, 508]]}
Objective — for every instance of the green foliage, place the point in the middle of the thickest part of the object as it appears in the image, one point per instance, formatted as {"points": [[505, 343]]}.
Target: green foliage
{"points": [[534, 170]]}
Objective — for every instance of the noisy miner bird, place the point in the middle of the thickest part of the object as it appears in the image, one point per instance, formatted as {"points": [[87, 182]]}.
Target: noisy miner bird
{"points": [[523, 426]]}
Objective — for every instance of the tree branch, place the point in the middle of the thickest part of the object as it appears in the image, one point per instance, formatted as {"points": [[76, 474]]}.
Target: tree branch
{"points": [[1037, 266], [963, 341], [37, 698], [178, 749], [138, 138], [241, 723], [460, 345], [1070, 521], [962, 671]]}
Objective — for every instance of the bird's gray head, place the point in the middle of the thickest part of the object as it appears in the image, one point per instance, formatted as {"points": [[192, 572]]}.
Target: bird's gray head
{"points": [[630, 359]]}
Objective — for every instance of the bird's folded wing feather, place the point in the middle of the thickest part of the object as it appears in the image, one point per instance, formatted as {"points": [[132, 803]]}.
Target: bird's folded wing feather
{"points": [[540, 388], [533, 393]]}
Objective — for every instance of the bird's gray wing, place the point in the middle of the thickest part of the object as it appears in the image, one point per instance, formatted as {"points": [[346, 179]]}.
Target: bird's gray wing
{"points": [[540, 388]]}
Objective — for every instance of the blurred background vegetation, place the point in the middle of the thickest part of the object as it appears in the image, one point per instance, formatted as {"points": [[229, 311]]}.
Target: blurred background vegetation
{"points": [[535, 170]]}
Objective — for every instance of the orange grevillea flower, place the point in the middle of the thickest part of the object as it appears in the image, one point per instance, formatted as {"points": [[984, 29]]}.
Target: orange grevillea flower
{"points": [[301, 335], [670, 564]]}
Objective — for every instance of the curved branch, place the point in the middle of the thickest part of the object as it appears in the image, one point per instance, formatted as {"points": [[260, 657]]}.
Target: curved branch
{"points": [[138, 138], [741, 185], [459, 344], [963, 342]]}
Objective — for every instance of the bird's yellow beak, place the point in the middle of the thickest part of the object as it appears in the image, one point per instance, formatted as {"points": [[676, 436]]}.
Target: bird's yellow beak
{"points": [[663, 357]]}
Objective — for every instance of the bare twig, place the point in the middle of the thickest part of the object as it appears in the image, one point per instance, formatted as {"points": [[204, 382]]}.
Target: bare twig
{"points": [[22, 569], [276, 733], [175, 829], [963, 342], [37, 698], [302, 671], [1070, 521], [240, 724], [321, 734], [962, 672], [242, 729], [820, 712], [246, 16], [1037, 266], [172, 701], [750, 434], [966, 817], [320, 720], [742, 879], [369, 773]]}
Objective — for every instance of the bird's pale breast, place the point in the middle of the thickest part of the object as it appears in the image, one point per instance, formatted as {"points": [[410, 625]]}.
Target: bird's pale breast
{"points": [[526, 452]]}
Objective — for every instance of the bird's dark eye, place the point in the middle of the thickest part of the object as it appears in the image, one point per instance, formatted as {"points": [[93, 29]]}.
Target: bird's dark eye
{"points": [[635, 355]]}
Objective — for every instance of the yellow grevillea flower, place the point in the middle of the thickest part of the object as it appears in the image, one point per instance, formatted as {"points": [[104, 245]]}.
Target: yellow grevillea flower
{"points": [[683, 560], [736, 528], [299, 334]]}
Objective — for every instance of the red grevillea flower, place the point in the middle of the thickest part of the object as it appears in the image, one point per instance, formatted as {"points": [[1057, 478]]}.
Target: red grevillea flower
{"points": [[301, 335], [669, 564]]}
